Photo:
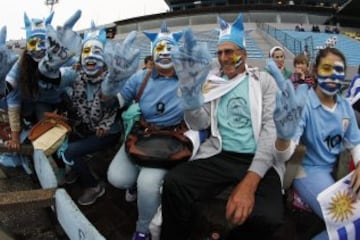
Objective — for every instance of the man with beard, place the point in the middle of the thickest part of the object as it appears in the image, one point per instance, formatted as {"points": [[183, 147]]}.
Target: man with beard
{"points": [[237, 107]]}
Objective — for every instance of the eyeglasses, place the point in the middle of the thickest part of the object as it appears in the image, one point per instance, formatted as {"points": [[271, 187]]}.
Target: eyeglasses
{"points": [[227, 51]]}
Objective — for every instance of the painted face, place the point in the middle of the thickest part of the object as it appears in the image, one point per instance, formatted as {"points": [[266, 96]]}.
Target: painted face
{"points": [[162, 54], [279, 58], [331, 74], [92, 57], [36, 47], [231, 58]]}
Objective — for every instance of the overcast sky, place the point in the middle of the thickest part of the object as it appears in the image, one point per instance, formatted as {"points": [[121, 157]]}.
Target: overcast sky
{"points": [[101, 11]]}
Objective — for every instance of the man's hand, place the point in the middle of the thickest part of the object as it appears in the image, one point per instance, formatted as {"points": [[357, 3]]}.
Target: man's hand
{"points": [[242, 200], [192, 64], [289, 104], [64, 43], [355, 182], [122, 60]]}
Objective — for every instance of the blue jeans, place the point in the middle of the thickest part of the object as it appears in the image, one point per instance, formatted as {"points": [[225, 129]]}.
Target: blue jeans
{"points": [[78, 148], [123, 173], [309, 188]]}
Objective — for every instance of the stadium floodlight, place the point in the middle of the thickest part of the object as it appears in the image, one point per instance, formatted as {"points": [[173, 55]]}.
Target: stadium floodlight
{"points": [[51, 3]]}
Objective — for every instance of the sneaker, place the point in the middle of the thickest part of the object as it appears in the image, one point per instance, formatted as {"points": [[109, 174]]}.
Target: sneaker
{"points": [[71, 177], [91, 194], [141, 236], [130, 194]]}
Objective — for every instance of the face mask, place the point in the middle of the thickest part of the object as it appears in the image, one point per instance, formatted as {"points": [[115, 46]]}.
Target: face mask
{"points": [[92, 57], [330, 77], [162, 54], [36, 48]]}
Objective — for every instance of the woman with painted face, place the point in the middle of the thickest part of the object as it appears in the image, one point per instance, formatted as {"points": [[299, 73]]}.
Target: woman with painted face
{"points": [[38, 93], [277, 53], [325, 123], [96, 121], [159, 106]]}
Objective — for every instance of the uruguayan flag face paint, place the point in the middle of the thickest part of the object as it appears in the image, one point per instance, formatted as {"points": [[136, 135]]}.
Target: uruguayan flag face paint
{"points": [[331, 75], [162, 54], [92, 57], [36, 47]]}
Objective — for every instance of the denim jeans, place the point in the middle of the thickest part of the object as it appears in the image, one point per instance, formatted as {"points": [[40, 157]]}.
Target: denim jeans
{"points": [[309, 188], [123, 173], [78, 148]]}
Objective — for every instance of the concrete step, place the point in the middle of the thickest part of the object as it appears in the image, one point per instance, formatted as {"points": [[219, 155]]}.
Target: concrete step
{"points": [[37, 198]]}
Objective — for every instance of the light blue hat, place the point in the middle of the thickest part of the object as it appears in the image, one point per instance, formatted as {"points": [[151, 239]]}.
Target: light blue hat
{"points": [[164, 34], [232, 32], [36, 27], [95, 34]]}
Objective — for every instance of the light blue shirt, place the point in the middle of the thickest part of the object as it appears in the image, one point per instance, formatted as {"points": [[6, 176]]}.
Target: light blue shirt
{"points": [[326, 132], [234, 120], [159, 103], [48, 92]]}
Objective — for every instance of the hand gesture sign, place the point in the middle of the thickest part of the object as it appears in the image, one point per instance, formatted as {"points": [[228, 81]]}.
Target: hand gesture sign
{"points": [[192, 64], [122, 60], [289, 103], [64, 43]]}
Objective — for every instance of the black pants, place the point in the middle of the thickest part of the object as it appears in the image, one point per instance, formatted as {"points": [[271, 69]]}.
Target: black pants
{"points": [[191, 182]]}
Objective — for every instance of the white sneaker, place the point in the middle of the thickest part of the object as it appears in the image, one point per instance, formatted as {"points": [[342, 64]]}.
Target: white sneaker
{"points": [[130, 196]]}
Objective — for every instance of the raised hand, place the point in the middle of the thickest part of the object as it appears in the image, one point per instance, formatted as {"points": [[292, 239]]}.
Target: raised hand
{"points": [[192, 64], [7, 59], [122, 60], [64, 43], [289, 103]]}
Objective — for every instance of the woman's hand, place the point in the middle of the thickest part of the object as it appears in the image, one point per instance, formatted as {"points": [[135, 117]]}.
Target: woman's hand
{"points": [[14, 143]]}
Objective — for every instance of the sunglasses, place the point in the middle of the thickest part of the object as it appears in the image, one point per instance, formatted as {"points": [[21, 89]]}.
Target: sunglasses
{"points": [[227, 52]]}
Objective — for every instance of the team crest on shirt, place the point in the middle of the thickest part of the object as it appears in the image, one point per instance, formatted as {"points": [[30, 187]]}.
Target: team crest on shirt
{"points": [[345, 124]]}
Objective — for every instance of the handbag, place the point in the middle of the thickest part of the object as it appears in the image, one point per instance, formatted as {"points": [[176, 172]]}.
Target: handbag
{"points": [[49, 133], [151, 146]]}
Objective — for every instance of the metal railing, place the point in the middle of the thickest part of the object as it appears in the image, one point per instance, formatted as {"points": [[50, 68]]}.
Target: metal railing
{"points": [[294, 45]]}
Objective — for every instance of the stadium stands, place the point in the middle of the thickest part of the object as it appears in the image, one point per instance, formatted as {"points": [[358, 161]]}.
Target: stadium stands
{"points": [[346, 44], [208, 36]]}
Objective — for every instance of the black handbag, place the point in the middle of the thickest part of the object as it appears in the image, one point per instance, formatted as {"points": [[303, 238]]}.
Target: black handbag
{"points": [[159, 148], [151, 146]]}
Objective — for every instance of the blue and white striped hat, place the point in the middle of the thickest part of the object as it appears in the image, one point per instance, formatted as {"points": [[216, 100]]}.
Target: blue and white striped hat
{"points": [[36, 27]]}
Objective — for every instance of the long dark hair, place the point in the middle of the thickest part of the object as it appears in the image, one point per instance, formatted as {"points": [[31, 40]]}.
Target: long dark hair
{"points": [[29, 75]]}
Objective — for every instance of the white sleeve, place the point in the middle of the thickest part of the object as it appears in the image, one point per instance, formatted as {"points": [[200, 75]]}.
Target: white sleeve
{"points": [[285, 155]]}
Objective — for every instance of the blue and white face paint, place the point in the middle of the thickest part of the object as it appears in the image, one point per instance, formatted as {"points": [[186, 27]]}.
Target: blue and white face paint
{"points": [[330, 77], [162, 54], [92, 57], [36, 47], [162, 44], [92, 54]]}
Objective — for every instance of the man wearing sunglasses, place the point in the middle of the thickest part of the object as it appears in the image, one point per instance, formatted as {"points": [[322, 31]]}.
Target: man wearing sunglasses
{"points": [[235, 103]]}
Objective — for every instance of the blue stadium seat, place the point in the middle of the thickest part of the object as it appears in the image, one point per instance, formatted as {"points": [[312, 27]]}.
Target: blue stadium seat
{"points": [[210, 37], [345, 44]]}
